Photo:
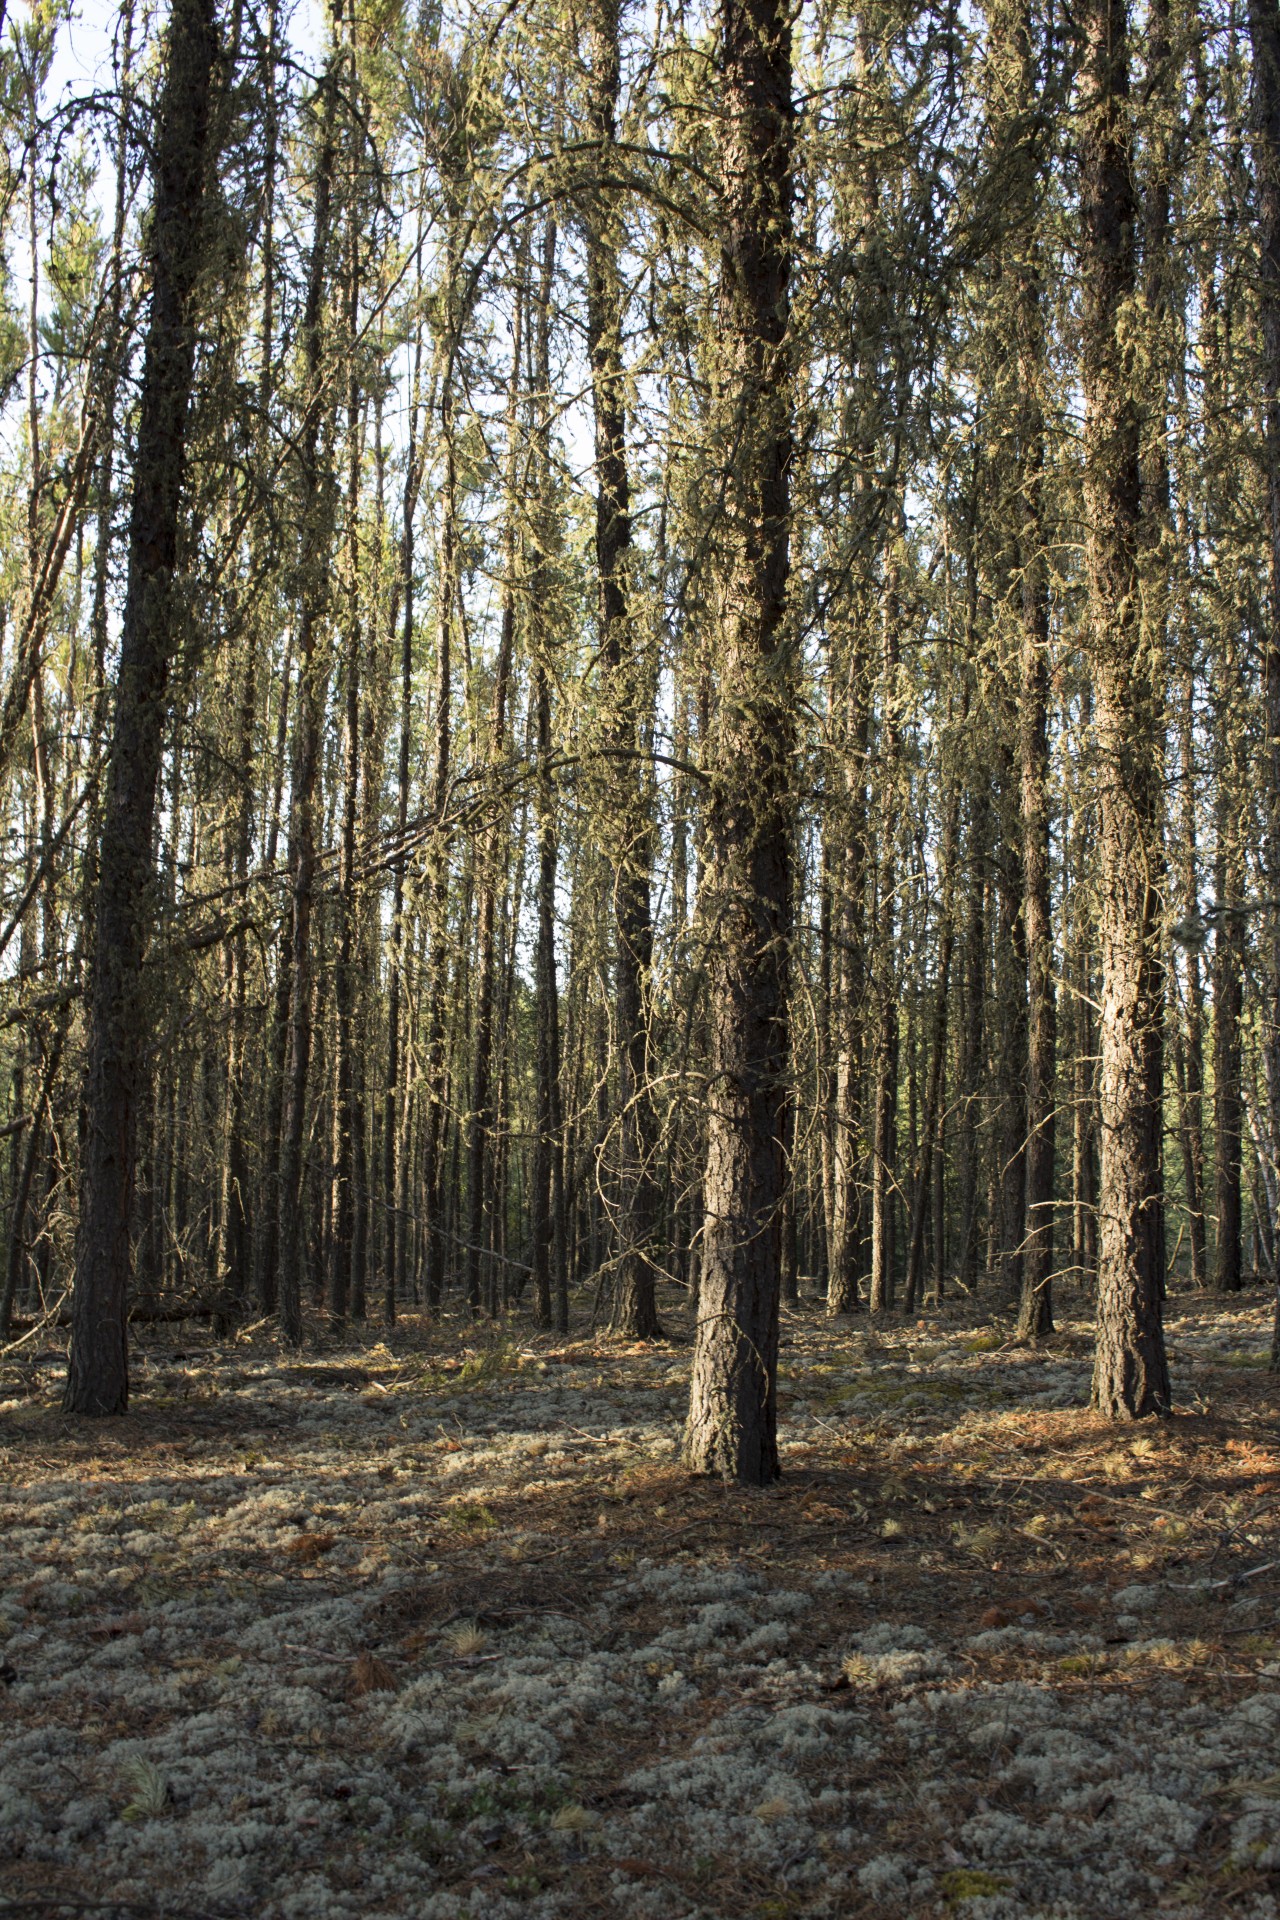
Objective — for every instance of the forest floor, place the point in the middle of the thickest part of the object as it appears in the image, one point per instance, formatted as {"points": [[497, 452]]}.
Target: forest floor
{"points": [[437, 1627]]}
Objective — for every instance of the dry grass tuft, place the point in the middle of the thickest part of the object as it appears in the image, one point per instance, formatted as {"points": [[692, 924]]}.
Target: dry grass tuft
{"points": [[308, 1547], [369, 1674], [466, 1640], [573, 1818]]}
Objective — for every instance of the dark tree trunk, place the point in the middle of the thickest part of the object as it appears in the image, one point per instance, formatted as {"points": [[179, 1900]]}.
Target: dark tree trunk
{"points": [[98, 1366], [23, 1175], [732, 1423], [547, 1207], [624, 779], [1131, 1374]]}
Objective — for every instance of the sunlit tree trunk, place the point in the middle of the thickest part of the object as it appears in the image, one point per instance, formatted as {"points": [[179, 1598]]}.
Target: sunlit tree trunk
{"points": [[482, 1116], [1264, 34], [547, 1207], [315, 511]]}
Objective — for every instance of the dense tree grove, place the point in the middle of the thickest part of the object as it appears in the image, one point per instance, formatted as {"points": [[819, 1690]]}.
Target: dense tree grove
{"points": [[640, 648]]}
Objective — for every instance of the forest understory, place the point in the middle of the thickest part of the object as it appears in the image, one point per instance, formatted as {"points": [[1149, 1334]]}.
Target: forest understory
{"points": [[436, 1625]]}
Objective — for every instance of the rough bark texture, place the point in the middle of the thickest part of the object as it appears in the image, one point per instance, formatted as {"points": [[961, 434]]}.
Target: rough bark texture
{"points": [[929, 1127], [438, 885], [732, 1424], [550, 1253], [847, 915], [315, 509], [490, 853], [1131, 1374], [1264, 33], [1228, 999], [1189, 1057], [624, 780], [1035, 1317], [98, 1369]]}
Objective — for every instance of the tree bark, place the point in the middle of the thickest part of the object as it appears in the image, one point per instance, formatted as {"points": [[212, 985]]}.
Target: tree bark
{"points": [[1131, 1374], [622, 787], [315, 514], [482, 1116], [937, 1060], [1228, 1001], [547, 1205], [1035, 1314], [98, 1366], [846, 910], [732, 1422], [344, 973], [394, 1229], [1264, 34]]}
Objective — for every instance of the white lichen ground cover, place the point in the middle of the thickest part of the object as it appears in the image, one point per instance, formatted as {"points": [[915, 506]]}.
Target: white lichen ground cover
{"points": [[440, 1629]]}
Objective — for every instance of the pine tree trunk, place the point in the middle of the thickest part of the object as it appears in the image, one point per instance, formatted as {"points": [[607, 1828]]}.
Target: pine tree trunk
{"points": [[344, 973], [482, 1115], [98, 1366], [1228, 997], [1189, 1051], [1131, 1375], [847, 865], [885, 984], [547, 1212], [732, 1423], [314, 508], [930, 1129], [393, 1227], [436, 1064], [623, 780], [1035, 1315], [1264, 34]]}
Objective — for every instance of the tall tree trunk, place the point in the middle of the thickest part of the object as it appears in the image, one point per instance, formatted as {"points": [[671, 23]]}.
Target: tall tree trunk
{"points": [[1228, 995], [235, 1248], [885, 1047], [394, 1228], [481, 1119], [547, 1202], [1264, 33], [315, 514], [847, 865], [1035, 1314], [732, 1423], [436, 1065], [1131, 1374], [98, 1365], [624, 778], [344, 977], [1189, 1055], [929, 1127]]}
